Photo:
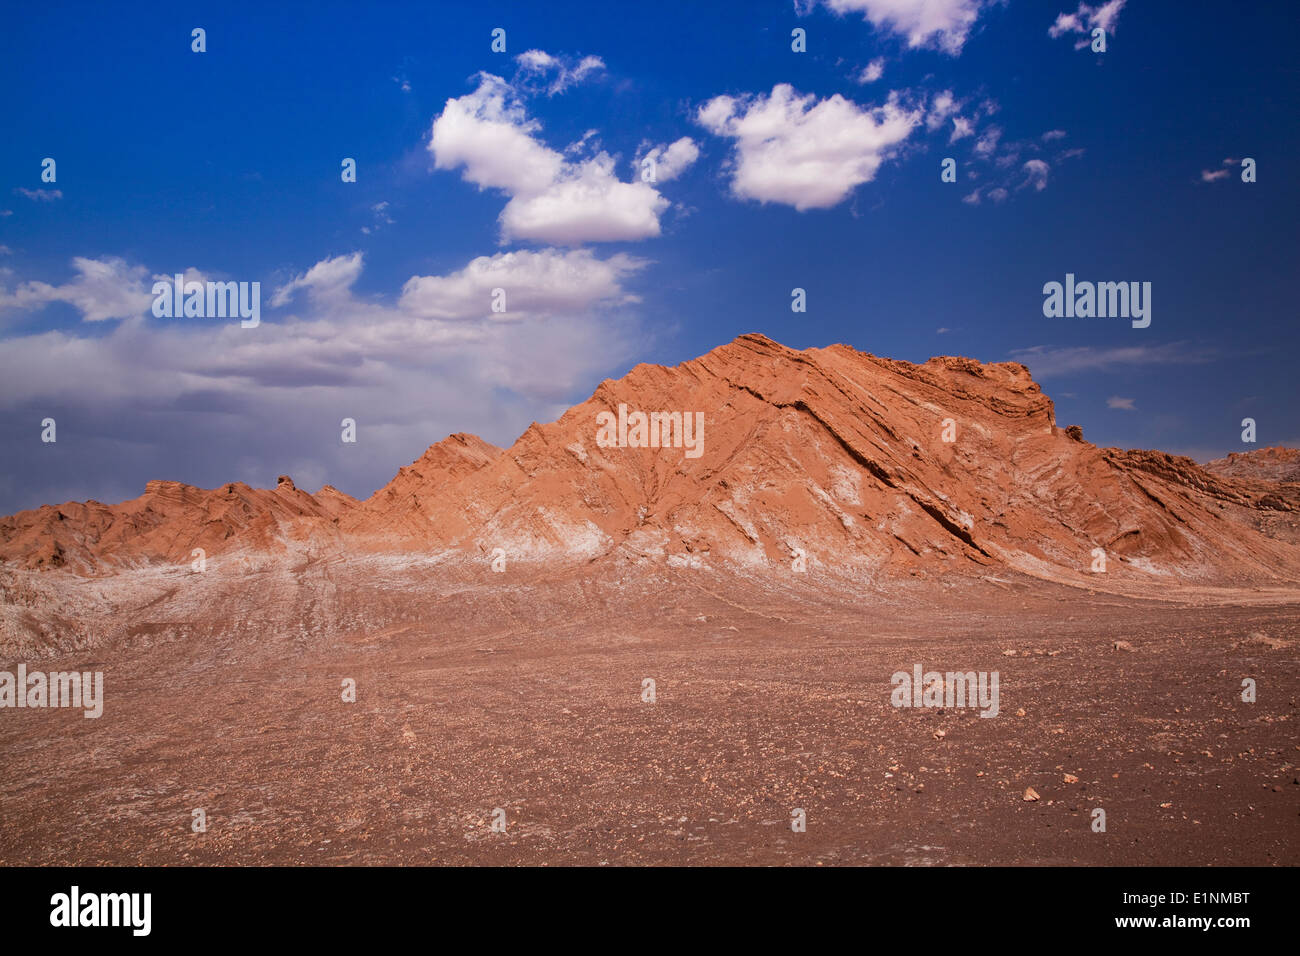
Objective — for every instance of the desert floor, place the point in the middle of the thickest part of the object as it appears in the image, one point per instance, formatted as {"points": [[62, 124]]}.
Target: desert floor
{"points": [[523, 691]]}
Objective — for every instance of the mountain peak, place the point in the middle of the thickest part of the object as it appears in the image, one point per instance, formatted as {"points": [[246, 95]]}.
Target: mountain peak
{"points": [[753, 454]]}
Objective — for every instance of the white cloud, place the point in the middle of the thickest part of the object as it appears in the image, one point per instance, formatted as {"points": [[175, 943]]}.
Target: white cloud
{"points": [[795, 150], [554, 72], [941, 24], [588, 204], [1013, 165], [537, 284], [1086, 19], [538, 61], [988, 142], [1047, 362], [382, 218], [489, 134], [872, 71], [1125, 404], [961, 128], [409, 378], [672, 160], [942, 106], [103, 289], [1036, 171], [1214, 175], [553, 199], [547, 282], [329, 279], [39, 195]]}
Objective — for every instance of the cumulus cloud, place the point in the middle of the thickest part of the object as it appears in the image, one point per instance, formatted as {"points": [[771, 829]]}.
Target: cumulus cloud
{"points": [[802, 152], [589, 203], [103, 289], [327, 280], [553, 198], [489, 134], [535, 284], [939, 24], [671, 160]]}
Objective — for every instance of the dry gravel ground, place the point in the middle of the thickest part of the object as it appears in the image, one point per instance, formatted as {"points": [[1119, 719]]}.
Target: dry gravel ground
{"points": [[522, 691]]}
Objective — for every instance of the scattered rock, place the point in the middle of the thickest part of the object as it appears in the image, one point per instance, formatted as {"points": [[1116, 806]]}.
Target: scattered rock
{"points": [[1260, 640]]}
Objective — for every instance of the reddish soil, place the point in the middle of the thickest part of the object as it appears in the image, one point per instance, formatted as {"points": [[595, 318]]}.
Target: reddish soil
{"points": [[522, 691]]}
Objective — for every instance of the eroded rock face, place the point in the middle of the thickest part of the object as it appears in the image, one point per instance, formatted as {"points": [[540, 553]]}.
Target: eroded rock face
{"points": [[1267, 464], [165, 524], [399, 512], [832, 457]]}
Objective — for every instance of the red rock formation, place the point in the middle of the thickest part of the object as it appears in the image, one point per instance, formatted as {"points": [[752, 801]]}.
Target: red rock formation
{"points": [[336, 503], [830, 453], [166, 523], [399, 513], [1266, 464], [841, 454]]}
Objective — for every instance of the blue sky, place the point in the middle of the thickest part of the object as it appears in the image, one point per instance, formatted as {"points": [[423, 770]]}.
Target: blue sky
{"points": [[521, 170]]}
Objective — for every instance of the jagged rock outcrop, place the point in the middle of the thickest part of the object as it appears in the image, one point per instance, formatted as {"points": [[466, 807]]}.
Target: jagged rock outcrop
{"points": [[1265, 464], [165, 524], [833, 457], [400, 512]]}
